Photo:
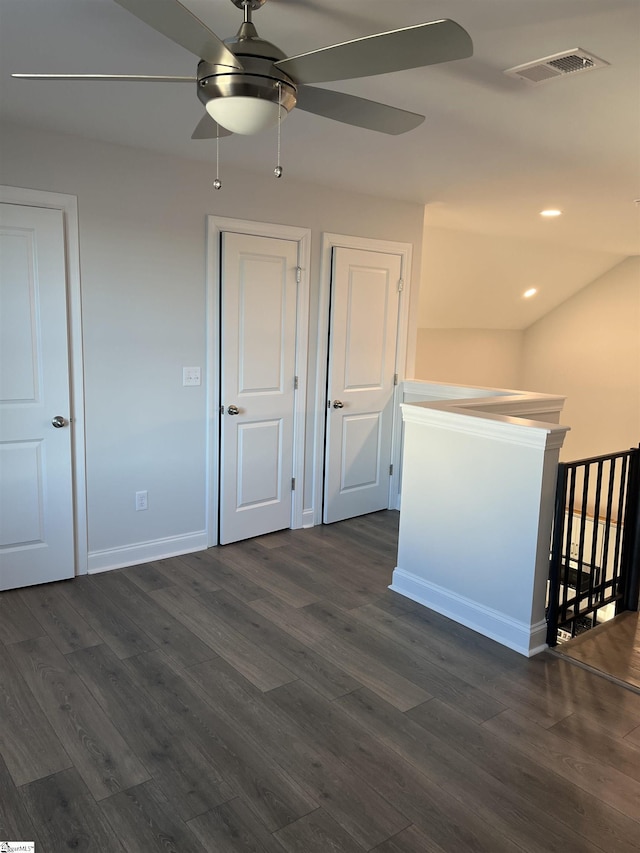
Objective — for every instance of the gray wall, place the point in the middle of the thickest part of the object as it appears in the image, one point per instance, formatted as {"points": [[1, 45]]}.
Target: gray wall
{"points": [[142, 245]]}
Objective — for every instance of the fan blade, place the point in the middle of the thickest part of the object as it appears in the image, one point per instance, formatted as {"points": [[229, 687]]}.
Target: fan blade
{"points": [[176, 22], [357, 111], [107, 77], [208, 128], [398, 50]]}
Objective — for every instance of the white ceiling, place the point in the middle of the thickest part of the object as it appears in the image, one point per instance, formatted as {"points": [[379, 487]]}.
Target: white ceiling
{"points": [[491, 154]]}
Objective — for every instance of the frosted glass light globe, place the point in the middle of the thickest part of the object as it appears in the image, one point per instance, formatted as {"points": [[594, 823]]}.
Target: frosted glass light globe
{"points": [[244, 115]]}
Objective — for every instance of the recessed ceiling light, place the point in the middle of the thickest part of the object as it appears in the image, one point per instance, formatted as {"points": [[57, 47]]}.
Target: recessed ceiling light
{"points": [[550, 212], [529, 293]]}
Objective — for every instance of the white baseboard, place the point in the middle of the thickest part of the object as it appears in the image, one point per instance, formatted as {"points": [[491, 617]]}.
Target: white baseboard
{"points": [[526, 639], [143, 552], [308, 518]]}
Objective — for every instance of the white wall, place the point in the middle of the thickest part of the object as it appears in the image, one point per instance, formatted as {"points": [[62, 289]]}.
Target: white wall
{"points": [[491, 357], [477, 505], [142, 251], [588, 349]]}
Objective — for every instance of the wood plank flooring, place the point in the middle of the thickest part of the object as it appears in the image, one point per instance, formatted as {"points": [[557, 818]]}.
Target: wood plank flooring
{"points": [[611, 649], [273, 696]]}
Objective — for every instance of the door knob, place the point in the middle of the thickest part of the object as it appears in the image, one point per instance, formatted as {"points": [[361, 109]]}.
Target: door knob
{"points": [[58, 421], [233, 410], [337, 404]]}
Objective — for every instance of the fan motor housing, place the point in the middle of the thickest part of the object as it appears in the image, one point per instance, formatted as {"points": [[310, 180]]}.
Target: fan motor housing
{"points": [[260, 77]]}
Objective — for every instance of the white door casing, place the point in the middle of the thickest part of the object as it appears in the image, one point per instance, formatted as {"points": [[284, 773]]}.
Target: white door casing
{"points": [[365, 299], [263, 311], [36, 500]]}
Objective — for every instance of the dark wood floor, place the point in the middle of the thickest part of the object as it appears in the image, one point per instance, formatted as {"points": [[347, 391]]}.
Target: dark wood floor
{"points": [[274, 696], [611, 649]]}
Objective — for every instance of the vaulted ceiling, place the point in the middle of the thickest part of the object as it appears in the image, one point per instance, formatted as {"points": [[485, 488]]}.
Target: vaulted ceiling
{"points": [[492, 153]]}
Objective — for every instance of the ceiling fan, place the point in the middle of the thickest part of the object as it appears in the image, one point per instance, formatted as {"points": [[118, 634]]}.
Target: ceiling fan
{"points": [[247, 84]]}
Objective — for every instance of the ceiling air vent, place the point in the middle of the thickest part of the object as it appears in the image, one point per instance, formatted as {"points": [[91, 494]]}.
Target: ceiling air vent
{"points": [[559, 65]]}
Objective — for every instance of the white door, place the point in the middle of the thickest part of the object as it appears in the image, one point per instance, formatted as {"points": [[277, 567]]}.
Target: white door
{"points": [[365, 297], [36, 508], [258, 351]]}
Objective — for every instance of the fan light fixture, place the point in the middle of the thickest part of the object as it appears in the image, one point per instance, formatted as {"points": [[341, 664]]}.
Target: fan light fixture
{"points": [[243, 114], [257, 97], [245, 103]]}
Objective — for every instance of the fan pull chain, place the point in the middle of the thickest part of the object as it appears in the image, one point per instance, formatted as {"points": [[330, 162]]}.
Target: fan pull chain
{"points": [[217, 184], [278, 169]]}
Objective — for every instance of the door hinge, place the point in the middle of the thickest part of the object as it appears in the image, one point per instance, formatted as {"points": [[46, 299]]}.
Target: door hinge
{"points": [[390, 470], [293, 484], [295, 383], [395, 378], [400, 285], [298, 274]]}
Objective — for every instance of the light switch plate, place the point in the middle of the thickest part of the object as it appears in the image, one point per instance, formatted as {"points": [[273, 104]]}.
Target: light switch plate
{"points": [[191, 376]]}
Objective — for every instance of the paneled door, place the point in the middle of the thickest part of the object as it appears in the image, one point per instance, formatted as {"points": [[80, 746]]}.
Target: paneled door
{"points": [[257, 383], [36, 499], [365, 298]]}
